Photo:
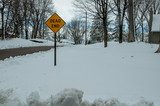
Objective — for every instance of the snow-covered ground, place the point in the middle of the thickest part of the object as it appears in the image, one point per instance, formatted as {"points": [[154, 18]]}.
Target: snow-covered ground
{"points": [[129, 72], [17, 43]]}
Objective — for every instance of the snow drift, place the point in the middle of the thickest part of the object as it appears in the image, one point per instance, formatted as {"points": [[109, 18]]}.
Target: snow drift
{"points": [[67, 97]]}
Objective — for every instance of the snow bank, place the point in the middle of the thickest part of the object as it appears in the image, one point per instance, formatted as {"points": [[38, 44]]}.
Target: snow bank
{"points": [[68, 42], [143, 102], [17, 43], [4, 95], [34, 99], [68, 97], [110, 102], [114, 102], [13, 102]]}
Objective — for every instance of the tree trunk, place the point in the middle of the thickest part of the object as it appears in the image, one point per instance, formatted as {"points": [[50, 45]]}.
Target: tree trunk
{"points": [[121, 16], [2, 15], [86, 29], [43, 29], [16, 29], [142, 32], [104, 8], [158, 51], [105, 36], [150, 25], [26, 28], [25, 19], [120, 33], [120, 26], [36, 29], [33, 29], [131, 37], [7, 18], [40, 29]]}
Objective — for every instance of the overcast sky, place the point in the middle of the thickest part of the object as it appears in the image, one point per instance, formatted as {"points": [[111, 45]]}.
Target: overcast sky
{"points": [[64, 8]]}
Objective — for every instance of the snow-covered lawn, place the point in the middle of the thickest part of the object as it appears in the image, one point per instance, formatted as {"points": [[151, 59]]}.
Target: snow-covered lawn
{"points": [[129, 72], [17, 43]]}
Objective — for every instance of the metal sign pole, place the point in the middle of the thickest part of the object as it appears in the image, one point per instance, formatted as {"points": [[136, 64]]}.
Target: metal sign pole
{"points": [[55, 49]]}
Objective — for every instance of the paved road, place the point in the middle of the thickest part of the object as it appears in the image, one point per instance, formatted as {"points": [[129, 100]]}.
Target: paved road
{"points": [[22, 51]]}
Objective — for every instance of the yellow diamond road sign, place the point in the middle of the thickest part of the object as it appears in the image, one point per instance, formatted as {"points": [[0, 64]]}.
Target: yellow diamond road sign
{"points": [[55, 22]]}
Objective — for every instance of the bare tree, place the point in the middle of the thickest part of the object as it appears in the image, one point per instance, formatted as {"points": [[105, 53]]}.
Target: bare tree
{"points": [[19, 15], [96, 8], [102, 10], [76, 30], [39, 10], [16, 17], [142, 9], [27, 16], [121, 6], [96, 33]]}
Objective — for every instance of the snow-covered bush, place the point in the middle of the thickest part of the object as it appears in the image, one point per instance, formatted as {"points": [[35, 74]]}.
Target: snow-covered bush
{"points": [[144, 103], [68, 97], [99, 102], [85, 103], [4, 95], [34, 100], [14, 102], [114, 102], [110, 102]]}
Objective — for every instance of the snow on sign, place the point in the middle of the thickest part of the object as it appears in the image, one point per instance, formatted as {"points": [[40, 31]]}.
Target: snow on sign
{"points": [[55, 22]]}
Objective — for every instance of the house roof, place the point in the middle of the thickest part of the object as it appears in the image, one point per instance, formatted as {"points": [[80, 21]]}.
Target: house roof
{"points": [[156, 23]]}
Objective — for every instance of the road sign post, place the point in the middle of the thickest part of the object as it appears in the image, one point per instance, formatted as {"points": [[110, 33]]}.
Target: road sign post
{"points": [[55, 49], [55, 23]]}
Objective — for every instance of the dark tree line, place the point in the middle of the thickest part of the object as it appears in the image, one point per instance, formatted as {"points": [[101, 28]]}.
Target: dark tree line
{"points": [[128, 19], [97, 9], [24, 18]]}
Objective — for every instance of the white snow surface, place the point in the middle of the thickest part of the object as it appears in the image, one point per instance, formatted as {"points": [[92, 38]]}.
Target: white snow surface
{"points": [[17, 43], [127, 72]]}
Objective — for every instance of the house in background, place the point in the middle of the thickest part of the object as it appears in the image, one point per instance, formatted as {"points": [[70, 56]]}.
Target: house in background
{"points": [[155, 32]]}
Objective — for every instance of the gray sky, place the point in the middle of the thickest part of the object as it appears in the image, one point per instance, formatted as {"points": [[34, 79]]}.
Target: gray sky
{"points": [[65, 9]]}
